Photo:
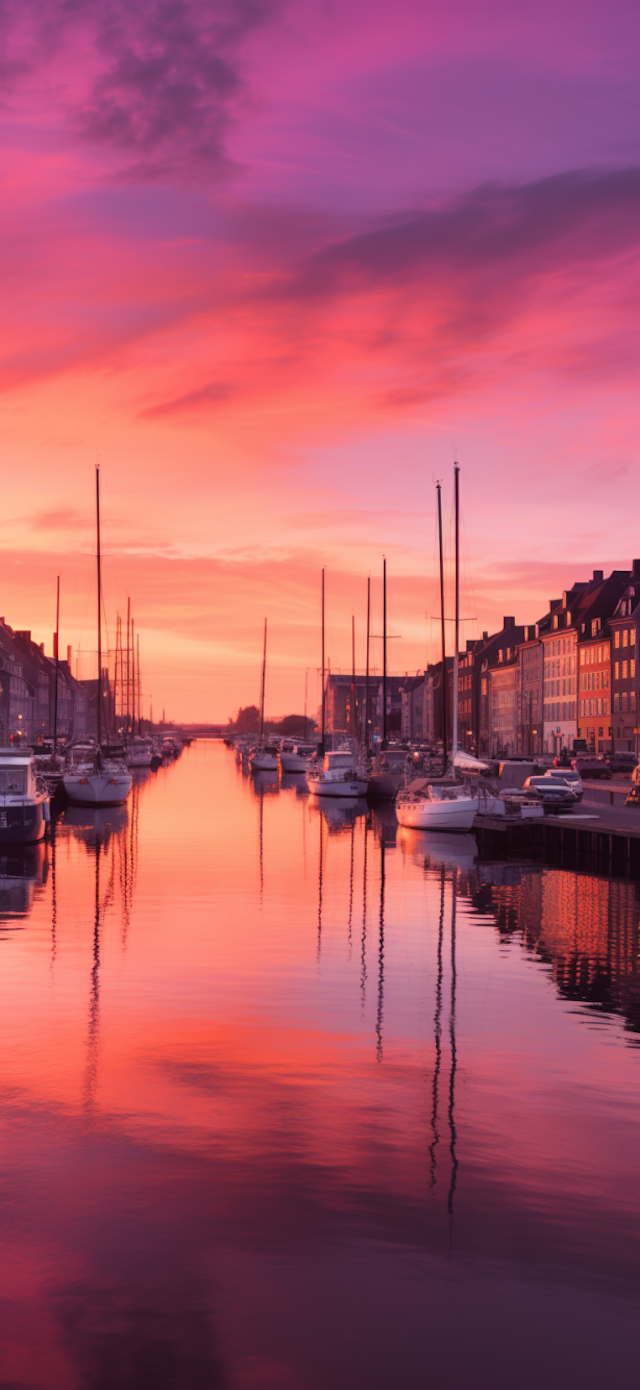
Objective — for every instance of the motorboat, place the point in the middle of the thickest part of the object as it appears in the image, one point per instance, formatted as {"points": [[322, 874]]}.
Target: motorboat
{"points": [[510, 805], [24, 801], [95, 777], [264, 760], [429, 806], [139, 753], [388, 773], [340, 776], [297, 757]]}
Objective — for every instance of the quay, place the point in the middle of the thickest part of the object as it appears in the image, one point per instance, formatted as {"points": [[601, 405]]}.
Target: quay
{"points": [[602, 833]]}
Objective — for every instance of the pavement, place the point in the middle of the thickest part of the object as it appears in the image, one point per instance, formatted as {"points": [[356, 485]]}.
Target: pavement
{"points": [[594, 813]]}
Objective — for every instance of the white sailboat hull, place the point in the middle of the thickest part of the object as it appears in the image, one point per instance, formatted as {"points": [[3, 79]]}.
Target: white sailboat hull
{"points": [[456, 814], [97, 788], [293, 762], [324, 786], [264, 762]]}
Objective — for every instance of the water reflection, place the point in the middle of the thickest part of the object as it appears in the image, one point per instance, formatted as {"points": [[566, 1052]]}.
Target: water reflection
{"points": [[338, 814], [236, 1150], [23, 873]]}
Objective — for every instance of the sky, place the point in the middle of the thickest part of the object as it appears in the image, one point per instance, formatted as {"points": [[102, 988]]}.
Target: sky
{"points": [[275, 265]]}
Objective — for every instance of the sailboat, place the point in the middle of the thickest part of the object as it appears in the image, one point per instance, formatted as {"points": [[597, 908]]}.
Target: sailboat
{"points": [[264, 759], [445, 805], [92, 777]]}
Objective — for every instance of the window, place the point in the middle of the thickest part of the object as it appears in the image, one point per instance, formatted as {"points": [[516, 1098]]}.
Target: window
{"points": [[625, 637], [632, 668], [624, 705], [616, 671], [616, 703], [617, 638], [625, 670]]}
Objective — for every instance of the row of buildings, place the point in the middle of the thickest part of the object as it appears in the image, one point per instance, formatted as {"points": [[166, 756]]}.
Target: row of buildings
{"points": [[28, 692], [574, 674]]}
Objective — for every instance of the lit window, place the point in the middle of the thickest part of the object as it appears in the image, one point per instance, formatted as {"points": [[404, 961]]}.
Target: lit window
{"points": [[616, 671], [617, 638], [625, 637], [632, 668]]}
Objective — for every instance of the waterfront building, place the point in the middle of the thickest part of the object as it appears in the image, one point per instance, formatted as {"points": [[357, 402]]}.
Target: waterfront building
{"points": [[497, 694], [530, 682], [581, 614], [15, 696], [340, 713], [413, 707], [468, 692], [624, 659]]}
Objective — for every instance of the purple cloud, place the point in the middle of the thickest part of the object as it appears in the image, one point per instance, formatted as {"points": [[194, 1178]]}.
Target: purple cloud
{"points": [[157, 81], [571, 218]]}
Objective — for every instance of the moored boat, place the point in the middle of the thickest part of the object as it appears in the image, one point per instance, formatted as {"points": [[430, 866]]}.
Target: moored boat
{"points": [[339, 776], [427, 806], [297, 757], [93, 778], [24, 803]]}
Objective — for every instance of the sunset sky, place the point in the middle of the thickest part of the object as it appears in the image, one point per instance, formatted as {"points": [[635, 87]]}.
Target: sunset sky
{"points": [[274, 263]]}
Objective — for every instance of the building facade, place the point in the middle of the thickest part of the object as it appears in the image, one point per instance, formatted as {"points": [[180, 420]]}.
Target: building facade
{"points": [[625, 673]]}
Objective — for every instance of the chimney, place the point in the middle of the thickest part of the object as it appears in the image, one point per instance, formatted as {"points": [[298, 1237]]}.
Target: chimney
{"points": [[636, 569], [553, 603], [485, 636], [42, 648], [507, 623], [598, 575], [69, 653]]}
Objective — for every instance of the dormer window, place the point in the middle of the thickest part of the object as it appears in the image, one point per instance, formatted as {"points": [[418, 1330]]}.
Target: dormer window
{"points": [[501, 655], [568, 620], [555, 620]]}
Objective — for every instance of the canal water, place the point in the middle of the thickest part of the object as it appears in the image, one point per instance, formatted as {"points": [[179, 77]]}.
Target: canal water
{"points": [[295, 1100]]}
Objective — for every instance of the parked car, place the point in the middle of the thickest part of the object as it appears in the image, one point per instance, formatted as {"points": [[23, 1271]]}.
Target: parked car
{"points": [[555, 795], [569, 775], [592, 767], [622, 762]]}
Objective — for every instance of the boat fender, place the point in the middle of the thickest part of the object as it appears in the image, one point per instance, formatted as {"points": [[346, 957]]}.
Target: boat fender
{"points": [[46, 811], [82, 781]]}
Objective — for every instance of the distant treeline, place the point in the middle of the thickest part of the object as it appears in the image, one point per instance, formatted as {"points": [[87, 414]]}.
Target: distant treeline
{"points": [[247, 721]]}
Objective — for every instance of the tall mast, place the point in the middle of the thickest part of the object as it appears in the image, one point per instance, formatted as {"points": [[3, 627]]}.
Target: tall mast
{"points": [[139, 686], [323, 692], [454, 734], [133, 677], [115, 677], [354, 715], [384, 652], [99, 713], [128, 719], [444, 655], [56, 652], [366, 683], [264, 671]]}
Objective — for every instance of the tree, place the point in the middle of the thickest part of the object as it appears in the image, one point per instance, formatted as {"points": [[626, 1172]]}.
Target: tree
{"points": [[248, 720]]}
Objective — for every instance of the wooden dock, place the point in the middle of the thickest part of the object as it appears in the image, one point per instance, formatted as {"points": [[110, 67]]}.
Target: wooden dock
{"points": [[597, 835]]}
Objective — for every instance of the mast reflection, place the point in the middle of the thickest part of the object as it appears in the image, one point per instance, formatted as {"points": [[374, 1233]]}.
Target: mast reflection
{"points": [[454, 1053], [363, 951], [91, 1072], [380, 1011], [320, 823], [353, 836], [437, 1026]]}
